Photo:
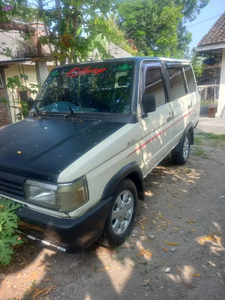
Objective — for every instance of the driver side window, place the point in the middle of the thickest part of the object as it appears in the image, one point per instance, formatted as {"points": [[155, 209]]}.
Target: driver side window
{"points": [[154, 85]]}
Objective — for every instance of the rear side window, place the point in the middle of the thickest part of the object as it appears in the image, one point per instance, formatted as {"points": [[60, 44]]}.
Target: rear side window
{"points": [[190, 79], [154, 85], [177, 82]]}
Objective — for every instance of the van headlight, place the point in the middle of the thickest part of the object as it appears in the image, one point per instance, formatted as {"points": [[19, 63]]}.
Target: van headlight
{"points": [[62, 197]]}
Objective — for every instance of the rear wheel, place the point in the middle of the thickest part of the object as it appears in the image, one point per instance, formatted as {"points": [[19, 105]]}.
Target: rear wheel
{"points": [[181, 157], [121, 216]]}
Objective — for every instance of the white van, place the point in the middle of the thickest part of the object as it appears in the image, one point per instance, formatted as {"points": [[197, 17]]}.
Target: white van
{"points": [[96, 130]]}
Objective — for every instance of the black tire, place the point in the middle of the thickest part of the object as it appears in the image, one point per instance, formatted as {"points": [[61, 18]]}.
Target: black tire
{"points": [[181, 157], [109, 238]]}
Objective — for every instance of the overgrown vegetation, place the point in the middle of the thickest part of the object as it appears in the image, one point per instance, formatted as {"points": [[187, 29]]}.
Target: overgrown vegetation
{"points": [[198, 140], [8, 224], [200, 152], [203, 102], [216, 139]]}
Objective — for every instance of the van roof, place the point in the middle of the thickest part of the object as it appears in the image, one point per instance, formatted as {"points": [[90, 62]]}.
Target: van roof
{"points": [[138, 59]]}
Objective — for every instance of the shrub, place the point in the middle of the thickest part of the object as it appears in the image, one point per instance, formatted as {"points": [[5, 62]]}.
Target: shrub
{"points": [[8, 224]]}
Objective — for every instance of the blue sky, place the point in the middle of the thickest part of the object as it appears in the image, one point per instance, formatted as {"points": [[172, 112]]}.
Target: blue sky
{"points": [[214, 8]]}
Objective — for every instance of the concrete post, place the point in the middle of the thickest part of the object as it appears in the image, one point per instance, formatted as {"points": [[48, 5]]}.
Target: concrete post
{"points": [[221, 100], [41, 71]]}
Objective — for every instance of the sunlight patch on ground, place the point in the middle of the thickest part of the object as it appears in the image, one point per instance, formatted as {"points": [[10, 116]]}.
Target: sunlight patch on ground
{"points": [[187, 270], [87, 297], [120, 274], [175, 278], [212, 264], [214, 243], [217, 226]]}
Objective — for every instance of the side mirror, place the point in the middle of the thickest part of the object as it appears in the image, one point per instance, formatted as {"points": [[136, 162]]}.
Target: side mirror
{"points": [[148, 104]]}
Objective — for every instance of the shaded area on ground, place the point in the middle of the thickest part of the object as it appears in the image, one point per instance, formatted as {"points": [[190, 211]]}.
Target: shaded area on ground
{"points": [[183, 205]]}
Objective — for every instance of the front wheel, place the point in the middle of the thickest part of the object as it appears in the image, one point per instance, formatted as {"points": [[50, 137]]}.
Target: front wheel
{"points": [[121, 216], [181, 157]]}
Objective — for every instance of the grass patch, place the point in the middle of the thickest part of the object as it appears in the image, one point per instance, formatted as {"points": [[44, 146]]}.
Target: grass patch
{"points": [[208, 103], [198, 141], [218, 139], [200, 152]]}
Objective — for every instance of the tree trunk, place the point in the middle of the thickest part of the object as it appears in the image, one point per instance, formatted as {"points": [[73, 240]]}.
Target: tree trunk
{"points": [[15, 26]]}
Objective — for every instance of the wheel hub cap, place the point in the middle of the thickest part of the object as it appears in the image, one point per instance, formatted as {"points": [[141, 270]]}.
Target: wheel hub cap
{"points": [[186, 147], [122, 212]]}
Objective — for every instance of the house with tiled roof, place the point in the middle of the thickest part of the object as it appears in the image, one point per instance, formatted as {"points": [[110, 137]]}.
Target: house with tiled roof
{"points": [[18, 57], [212, 45]]}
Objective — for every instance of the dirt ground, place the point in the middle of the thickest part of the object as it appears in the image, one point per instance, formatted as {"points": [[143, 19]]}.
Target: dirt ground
{"points": [[184, 205]]}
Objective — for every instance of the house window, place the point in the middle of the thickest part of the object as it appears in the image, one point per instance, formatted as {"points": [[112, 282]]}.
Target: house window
{"points": [[177, 82], [154, 85], [24, 95]]}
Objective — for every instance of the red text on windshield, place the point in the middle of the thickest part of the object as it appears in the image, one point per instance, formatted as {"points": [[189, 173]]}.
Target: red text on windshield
{"points": [[84, 71]]}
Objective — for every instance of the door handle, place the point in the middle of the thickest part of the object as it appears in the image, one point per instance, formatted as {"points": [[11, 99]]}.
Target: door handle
{"points": [[169, 119], [190, 105]]}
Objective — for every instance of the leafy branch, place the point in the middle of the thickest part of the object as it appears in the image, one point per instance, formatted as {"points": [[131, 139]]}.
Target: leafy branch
{"points": [[8, 224]]}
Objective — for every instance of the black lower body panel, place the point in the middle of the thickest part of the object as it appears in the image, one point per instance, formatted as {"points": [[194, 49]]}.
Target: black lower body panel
{"points": [[72, 234]]}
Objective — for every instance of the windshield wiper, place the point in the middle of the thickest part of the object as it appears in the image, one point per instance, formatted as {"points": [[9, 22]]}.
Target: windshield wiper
{"points": [[37, 110], [71, 111], [68, 102]]}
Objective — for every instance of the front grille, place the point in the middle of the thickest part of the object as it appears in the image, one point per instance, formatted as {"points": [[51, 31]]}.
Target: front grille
{"points": [[12, 186]]}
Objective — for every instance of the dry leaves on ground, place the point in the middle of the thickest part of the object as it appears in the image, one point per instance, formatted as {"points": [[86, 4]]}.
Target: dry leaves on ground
{"points": [[144, 252], [171, 244]]}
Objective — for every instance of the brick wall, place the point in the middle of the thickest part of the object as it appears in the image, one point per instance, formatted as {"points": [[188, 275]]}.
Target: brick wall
{"points": [[4, 117]]}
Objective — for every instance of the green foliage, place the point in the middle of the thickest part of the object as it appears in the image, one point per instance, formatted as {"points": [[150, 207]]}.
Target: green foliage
{"points": [[76, 28], [216, 139], [16, 83], [79, 27], [198, 141], [4, 101], [152, 25], [8, 224], [6, 51], [197, 63], [19, 83], [201, 152], [16, 10], [157, 27], [191, 8], [25, 110]]}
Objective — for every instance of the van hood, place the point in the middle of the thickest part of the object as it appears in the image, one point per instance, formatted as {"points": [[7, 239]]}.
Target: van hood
{"points": [[41, 149]]}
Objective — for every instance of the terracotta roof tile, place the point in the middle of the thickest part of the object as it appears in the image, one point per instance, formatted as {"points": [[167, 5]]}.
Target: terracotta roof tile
{"points": [[216, 33]]}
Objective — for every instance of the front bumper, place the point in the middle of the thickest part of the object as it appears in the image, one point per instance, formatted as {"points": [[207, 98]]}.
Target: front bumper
{"points": [[70, 235]]}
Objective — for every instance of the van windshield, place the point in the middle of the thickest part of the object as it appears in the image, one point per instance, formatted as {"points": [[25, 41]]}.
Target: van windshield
{"points": [[88, 88]]}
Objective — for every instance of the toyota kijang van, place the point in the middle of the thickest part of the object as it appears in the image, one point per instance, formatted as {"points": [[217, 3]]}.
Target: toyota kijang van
{"points": [[95, 131]]}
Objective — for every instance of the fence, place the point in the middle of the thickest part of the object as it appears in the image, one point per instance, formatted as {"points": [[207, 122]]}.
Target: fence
{"points": [[209, 93]]}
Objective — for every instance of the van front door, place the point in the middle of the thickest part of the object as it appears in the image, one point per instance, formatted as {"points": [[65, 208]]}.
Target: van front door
{"points": [[157, 127]]}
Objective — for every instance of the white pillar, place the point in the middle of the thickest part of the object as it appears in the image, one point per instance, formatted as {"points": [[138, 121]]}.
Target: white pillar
{"points": [[41, 71], [221, 100]]}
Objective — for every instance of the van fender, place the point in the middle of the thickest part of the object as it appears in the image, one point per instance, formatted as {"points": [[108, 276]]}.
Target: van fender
{"points": [[131, 171], [189, 127]]}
